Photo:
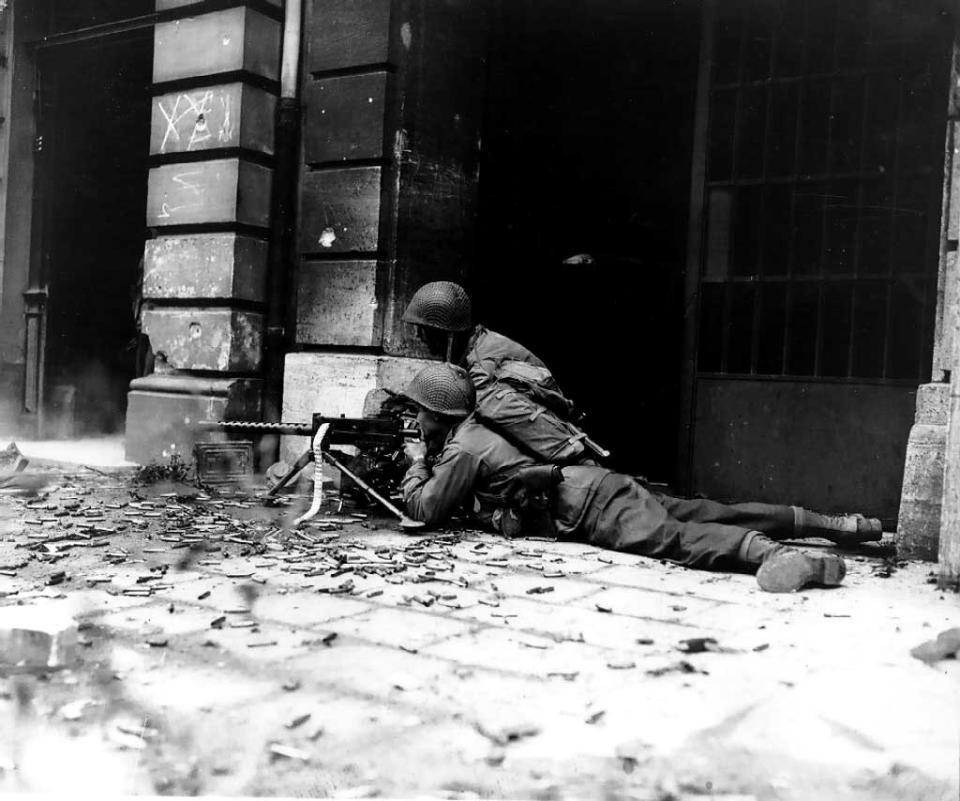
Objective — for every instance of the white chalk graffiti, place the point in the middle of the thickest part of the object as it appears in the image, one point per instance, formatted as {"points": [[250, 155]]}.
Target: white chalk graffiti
{"points": [[182, 179], [226, 128], [200, 105]]}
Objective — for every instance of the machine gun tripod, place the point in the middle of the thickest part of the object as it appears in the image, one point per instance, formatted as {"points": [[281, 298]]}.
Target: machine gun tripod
{"points": [[385, 433]]}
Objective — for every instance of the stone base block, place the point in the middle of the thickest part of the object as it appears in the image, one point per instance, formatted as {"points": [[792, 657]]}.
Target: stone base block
{"points": [[336, 384], [199, 266], [918, 526], [162, 412], [933, 404], [217, 191], [220, 41], [226, 115], [206, 339]]}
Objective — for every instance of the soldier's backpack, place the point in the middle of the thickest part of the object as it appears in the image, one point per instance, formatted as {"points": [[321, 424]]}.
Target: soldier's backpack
{"points": [[524, 404]]}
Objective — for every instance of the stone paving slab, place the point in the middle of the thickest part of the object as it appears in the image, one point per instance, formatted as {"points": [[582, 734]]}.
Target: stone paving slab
{"points": [[560, 591], [648, 574], [447, 596], [401, 628], [646, 604], [517, 652], [364, 669], [191, 687], [262, 643], [155, 618], [307, 609], [614, 631], [223, 591]]}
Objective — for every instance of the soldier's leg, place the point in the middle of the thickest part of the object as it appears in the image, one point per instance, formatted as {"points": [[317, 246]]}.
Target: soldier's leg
{"points": [[625, 517], [776, 521]]}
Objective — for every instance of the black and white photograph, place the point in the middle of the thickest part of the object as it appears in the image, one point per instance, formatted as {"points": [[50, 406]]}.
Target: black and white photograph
{"points": [[480, 399]]}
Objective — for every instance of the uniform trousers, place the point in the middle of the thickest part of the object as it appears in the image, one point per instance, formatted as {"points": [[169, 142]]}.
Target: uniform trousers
{"points": [[703, 534]]}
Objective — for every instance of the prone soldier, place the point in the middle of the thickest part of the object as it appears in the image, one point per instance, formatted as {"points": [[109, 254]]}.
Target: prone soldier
{"points": [[442, 312], [461, 461]]}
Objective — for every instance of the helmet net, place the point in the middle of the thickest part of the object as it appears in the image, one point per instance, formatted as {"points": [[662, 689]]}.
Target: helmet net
{"points": [[440, 304], [444, 389]]}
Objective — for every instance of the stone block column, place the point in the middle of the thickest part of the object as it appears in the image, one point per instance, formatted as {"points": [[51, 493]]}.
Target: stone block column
{"points": [[204, 270], [932, 451], [391, 100]]}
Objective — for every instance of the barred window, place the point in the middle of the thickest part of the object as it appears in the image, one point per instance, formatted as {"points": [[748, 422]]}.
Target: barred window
{"points": [[824, 179]]}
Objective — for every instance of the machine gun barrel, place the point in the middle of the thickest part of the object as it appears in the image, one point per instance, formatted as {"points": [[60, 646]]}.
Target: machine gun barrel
{"points": [[244, 426], [343, 430]]}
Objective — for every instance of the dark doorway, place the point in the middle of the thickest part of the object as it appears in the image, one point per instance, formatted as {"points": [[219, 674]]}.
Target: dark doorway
{"points": [[94, 120], [586, 149]]}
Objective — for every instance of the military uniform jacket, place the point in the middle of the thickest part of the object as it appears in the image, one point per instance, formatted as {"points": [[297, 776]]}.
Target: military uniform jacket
{"points": [[474, 470], [487, 351]]}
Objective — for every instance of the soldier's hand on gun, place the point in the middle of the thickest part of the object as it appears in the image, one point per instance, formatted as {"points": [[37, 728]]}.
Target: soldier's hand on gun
{"points": [[415, 449]]}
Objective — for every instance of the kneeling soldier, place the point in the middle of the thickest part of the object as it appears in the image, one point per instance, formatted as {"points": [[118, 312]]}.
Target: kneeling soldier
{"points": [[473, 466]]}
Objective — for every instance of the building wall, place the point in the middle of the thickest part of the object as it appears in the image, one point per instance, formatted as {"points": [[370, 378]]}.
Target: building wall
{"points": [[391, 99], [215, 84], [19, 24], [923, 519]]}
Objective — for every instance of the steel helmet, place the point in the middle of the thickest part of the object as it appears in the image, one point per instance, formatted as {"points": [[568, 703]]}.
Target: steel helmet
{"points": [[440, 304], [444, 389]]}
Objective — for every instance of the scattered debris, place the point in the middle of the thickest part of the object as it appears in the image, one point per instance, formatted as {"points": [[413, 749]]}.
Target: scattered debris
{"points": [[697, 645], [288, 752], [74, 710], [175, 470], [508, 734], [945, 646], [125, 740], [677, 667]]}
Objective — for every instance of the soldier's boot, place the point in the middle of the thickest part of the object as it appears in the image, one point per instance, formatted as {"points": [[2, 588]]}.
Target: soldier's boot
{"points": [[841, 529], [784, 569]]}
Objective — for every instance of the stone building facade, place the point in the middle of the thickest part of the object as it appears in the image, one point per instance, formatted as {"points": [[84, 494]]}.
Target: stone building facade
{"points": [[751, 191]]}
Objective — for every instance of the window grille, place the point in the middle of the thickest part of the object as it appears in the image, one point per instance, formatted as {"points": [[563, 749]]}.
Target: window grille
{"points": [[824, 179]]}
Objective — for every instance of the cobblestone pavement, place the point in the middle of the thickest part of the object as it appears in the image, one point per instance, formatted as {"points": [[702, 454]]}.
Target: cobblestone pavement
{"points": [[220, 654]]}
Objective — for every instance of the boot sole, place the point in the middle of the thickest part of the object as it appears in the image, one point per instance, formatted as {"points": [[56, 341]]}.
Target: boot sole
{"points": [[794, 570]]}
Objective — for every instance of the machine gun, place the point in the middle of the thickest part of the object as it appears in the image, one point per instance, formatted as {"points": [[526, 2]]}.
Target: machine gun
{"points": [[379, 442]]}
